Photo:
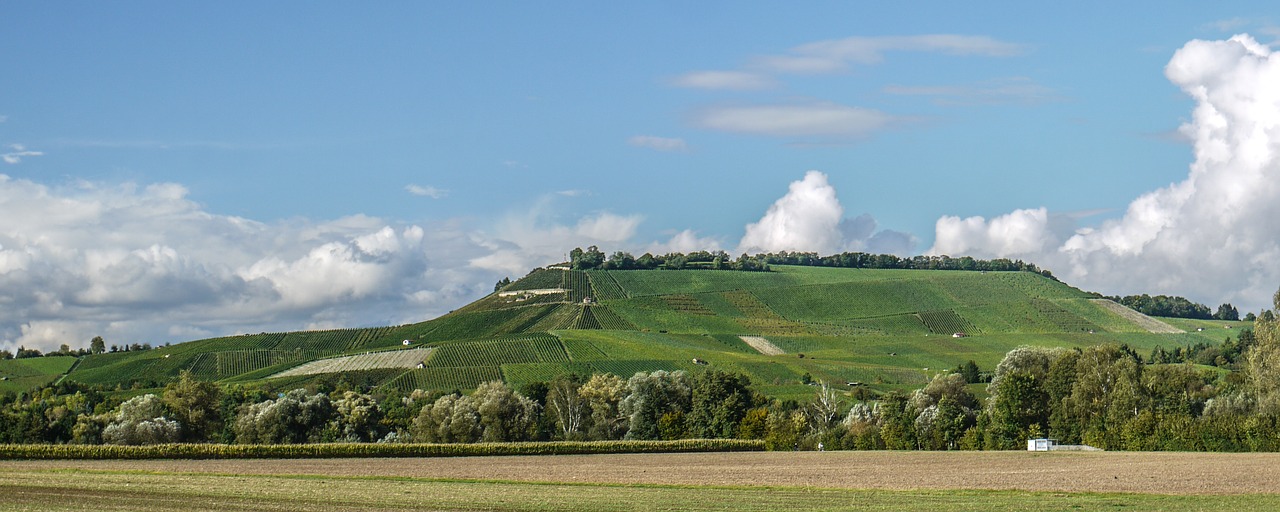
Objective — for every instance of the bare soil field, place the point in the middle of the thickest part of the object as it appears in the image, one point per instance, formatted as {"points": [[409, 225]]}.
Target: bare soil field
{"points": [[1093, 472]]}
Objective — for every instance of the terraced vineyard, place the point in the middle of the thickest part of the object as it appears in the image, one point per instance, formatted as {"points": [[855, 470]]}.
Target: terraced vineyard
{"points": [[371, 361], [886, 329]]}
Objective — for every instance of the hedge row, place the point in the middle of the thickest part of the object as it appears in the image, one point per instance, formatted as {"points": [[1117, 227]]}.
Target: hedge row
{"points": [[342, 450]]}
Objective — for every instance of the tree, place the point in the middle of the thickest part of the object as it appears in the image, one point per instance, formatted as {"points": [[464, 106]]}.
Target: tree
{"points": [[825, 407], [504, 414], [1106, 393], [970, 372], [649, 397], [358, 418], [604, 394], [195, 405], [571, 411], [1227, 312], [449, 419], [140, 420], [720, 401], [590, 259], [1018, 406], [1262, 363], [295, 417], [502, 283], [97, 344]]}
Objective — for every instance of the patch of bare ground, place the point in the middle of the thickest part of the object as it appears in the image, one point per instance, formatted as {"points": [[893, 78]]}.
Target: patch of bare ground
{"points": [[762, 345], [1175, 473], [1143, 321]]}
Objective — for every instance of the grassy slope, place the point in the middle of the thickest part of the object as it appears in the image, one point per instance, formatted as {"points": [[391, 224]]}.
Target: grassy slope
{"points": [[23, 374], [887, 328]]}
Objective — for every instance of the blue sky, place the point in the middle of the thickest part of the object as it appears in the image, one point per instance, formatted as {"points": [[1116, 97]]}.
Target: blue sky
{"points": [[204, 169]]}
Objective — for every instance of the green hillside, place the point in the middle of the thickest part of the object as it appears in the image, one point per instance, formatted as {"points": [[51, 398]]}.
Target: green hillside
{"points": [[886, 329]]}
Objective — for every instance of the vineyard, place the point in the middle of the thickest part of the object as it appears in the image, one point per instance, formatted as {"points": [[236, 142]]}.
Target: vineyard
{"points": [[390, 359], [605, 286], [445, 378], [578, 284], [946, 322], [533, 348], [220, 365], [888, 329]]}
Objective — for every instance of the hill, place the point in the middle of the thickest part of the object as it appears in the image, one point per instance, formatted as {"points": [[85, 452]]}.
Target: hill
{"points": [[882, 328]]}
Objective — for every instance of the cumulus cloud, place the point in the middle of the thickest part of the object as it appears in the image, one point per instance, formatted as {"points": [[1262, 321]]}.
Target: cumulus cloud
{"points": [[725, 80], [1213, 236], [427, 191], [527, 239], [665, 144], [826, 121], [17, 154], [146, 264], [810, 218], [686, 241]]}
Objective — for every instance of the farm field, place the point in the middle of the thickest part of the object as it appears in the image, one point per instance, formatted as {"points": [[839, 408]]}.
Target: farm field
{"points": [[715, 481], [886, 329]]}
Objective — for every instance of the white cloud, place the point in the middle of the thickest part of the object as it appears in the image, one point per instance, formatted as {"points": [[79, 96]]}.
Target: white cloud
{"points": [[1212, 237], [810, 218], [137, 264], [828, 121], [836, 54], [1013, 90], [527, 239], [725, 80], [18, 153], [686, 241], [665, 144], [427, 191]]}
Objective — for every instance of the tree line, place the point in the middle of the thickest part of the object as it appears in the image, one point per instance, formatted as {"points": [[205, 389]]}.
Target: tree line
{"points": [[593, 258]]}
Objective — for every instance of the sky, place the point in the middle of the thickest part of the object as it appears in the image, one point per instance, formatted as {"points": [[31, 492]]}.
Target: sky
{"points": [[179, 170]]}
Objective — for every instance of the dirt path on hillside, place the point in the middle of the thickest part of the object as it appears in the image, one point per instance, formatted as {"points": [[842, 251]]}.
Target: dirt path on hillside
{"points": [[1157, 473]]}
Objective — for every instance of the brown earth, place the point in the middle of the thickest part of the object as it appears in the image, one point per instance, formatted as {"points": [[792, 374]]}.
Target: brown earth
{"points": [[1153, 473]]}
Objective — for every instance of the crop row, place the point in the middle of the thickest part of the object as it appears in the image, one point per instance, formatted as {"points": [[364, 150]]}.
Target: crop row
{"points": [[519, 374], [371, 361], [687, 304], [639, 283], [535, 349], [605, 286], [578, 284], [586, 320], [559, 316], [610, 320], [220, 365], [445, 379], [945, 322], [347, 450], [472, 324], [1063, 319]]}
